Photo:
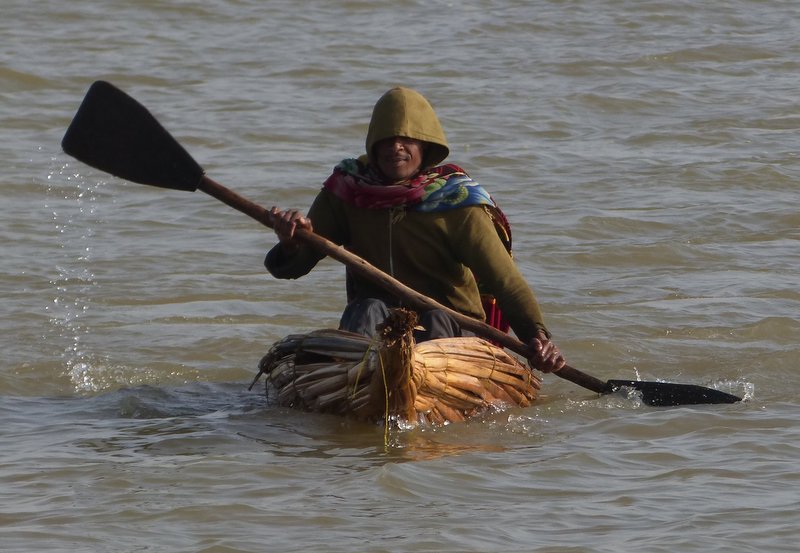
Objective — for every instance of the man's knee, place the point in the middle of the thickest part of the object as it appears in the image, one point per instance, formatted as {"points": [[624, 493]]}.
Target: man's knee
{"points": [[362, 316], [436, 324]]}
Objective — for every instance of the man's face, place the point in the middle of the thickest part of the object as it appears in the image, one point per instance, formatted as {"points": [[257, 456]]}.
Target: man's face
{"points": [[399, 158]]}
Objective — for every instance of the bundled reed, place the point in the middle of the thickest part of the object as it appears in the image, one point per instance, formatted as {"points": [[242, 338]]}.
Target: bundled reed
{"points": [[435, 382]]}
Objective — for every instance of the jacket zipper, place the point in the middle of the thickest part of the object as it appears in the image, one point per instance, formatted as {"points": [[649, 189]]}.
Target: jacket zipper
{"points": [[395, 215], [391, 253]]}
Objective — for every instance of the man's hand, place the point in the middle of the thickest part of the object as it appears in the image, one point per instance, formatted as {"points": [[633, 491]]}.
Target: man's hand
{"points": [[285, 223], [546, 357]]}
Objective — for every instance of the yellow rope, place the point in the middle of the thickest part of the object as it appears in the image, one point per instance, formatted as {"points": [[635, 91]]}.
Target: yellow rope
{"points": [[363, 364], [385, 405]]}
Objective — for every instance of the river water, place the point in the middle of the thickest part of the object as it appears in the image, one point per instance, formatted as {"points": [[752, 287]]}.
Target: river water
{"points": [[646, 153]]}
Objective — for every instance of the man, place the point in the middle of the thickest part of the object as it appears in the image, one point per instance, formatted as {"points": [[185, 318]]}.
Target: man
{"points": [[428, 225]]}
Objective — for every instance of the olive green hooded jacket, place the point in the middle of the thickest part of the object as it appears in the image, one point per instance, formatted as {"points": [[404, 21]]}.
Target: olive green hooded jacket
{"points": [[437, 254]]}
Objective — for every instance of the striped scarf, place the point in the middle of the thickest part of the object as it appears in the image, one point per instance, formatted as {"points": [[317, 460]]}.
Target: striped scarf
{"points": [[437, 189]]}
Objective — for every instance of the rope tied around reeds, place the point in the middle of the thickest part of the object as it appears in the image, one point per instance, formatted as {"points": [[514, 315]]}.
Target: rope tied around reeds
{"points": [[435, 382]]}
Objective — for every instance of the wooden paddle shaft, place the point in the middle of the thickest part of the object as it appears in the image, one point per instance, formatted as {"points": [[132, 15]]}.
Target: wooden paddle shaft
{"points": [[387, 282]]}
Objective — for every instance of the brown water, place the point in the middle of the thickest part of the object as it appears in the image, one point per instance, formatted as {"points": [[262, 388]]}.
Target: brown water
{"points": [[646, 154]]}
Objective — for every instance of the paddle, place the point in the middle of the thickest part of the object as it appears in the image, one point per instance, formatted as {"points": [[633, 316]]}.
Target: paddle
{"points": [[114, 133]]}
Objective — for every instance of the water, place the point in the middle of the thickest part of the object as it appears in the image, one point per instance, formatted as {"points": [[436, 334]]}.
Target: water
{"points": [[646, 154]]}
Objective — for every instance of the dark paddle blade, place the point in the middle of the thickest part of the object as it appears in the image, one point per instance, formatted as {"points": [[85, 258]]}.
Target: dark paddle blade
{"points": [[114, 133], [666, 394]]}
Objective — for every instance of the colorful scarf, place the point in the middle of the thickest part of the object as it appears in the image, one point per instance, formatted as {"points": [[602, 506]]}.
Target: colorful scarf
{"points": [[436, 189]]}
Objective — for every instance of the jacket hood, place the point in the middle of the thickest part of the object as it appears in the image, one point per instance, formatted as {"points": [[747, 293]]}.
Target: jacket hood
{"points": [[405, 112]]}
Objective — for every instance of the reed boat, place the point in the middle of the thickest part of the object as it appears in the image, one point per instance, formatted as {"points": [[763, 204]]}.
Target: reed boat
{"points": [[390, 377]]}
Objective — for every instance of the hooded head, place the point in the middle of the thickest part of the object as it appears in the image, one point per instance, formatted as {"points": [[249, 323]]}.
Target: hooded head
{"points": [[406, 112]]}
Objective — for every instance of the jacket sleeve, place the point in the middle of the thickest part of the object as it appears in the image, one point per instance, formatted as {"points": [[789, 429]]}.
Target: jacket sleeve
{"points": [[477, 245], [327, 220]]}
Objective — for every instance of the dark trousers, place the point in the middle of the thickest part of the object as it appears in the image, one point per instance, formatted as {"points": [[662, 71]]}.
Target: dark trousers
{"points": [[362, 316]]}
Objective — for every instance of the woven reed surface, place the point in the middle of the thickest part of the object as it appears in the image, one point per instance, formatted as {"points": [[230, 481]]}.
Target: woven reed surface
{"points": [[434, 382]]}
